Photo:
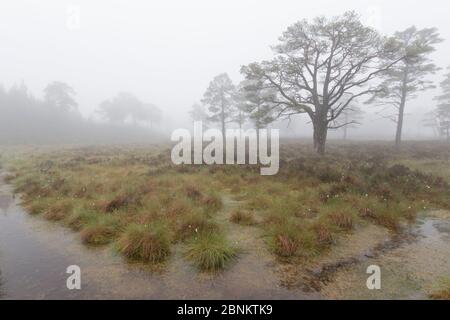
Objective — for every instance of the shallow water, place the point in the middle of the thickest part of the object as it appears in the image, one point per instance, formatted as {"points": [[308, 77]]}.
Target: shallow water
{"points": [[409, 270], [34, 255]]}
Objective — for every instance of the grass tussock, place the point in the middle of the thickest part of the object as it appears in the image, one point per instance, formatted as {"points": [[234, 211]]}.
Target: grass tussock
{"points": [[193, 225], [59, 210], [210, 252], [100, 230], [442, 291], [241, 217], [147, 243], [342, 220]]}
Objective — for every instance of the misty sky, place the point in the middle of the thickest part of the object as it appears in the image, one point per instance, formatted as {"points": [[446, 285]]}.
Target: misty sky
{"points": [[166, 52]]}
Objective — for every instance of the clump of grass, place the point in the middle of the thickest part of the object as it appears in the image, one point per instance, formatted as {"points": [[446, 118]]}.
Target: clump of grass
{"points": [[79, 218], [442, 292], [342, 220], [287, 239], [284, 239], [147, 243], [323, 233], [285, 245], [383, 215], [210, 252], [59, 210], [212, 202], [100, 231], [120, 201], [245, 218], [193, 192], [36, 206], [194, 224], [97, 234]]}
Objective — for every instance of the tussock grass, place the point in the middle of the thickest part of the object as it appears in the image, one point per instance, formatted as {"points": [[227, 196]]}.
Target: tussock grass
{"points": [[442, 290], [193, 225], [210, 251], [100, 230], [343, 220], [324, 235], [241, 217], [59, 210], [148, 243]]}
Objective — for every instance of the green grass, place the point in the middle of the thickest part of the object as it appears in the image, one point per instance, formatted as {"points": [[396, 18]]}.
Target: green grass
{"points": [[210, 251]]}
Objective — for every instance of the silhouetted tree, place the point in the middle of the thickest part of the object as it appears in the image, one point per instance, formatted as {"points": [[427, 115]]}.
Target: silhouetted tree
{"points": [[406, 78]]}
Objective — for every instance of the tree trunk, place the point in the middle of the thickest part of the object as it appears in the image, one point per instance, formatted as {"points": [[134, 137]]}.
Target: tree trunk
{"points": [[320, 135], [346, 126], [222, 119], [398, 135], [401, 111]]}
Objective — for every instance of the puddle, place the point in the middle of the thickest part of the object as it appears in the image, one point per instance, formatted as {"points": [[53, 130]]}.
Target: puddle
{"points": [[409, 270], [34, 255]]}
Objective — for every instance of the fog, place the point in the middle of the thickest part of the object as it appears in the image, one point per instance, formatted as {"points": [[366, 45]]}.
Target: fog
{"points": [[167, 52]]}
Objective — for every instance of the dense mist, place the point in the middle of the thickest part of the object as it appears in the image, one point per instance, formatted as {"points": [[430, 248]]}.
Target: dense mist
{"points": [[134, 70]]}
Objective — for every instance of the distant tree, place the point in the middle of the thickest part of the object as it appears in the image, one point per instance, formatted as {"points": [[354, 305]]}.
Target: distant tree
{"points": [[443, 107], [220, 98], [152, 114], [405, 79], [112, 112], [240, 116], [430, 120], [350, 119], [119, 108], [125, 106], [257, 102], [318, 63], [198, 113], [60, 95]]}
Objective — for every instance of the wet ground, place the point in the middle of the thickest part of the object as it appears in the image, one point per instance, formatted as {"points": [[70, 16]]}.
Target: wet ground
{"points": [[34, 256], [410, 268]]}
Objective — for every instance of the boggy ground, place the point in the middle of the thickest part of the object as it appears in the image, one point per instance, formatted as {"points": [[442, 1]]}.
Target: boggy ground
{"points": [[316, 217]]}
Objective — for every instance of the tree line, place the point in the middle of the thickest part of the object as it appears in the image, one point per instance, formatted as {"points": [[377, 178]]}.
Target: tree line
{"points": [[322, 69], [56, 118]]}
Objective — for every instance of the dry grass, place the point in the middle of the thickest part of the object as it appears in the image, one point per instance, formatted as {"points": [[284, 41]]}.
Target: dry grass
{"points": [[241, 217], [147, 243], [442, 291]]}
